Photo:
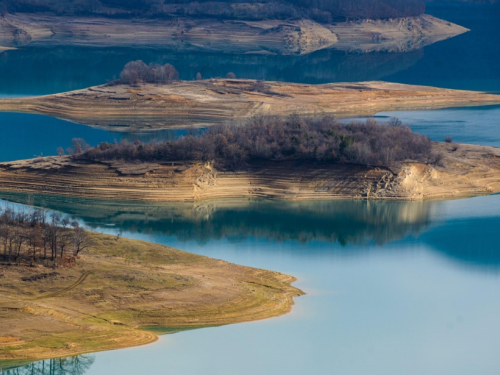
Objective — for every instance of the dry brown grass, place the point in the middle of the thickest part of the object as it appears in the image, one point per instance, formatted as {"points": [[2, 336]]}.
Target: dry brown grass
{"points": [[122, 292]]}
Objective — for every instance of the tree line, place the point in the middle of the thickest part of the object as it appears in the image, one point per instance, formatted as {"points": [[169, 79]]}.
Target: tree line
{"points": [[320, 10], [274, 138], [33, 236]]}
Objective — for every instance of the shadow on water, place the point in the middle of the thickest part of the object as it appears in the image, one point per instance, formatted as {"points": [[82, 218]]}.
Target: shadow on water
{"points": [[363, 225], [77, 365], [343, 222]]}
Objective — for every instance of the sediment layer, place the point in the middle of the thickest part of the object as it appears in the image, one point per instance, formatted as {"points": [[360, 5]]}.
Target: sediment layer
{"points": [[122, 293], [205, 103], [284, 37], [465, 170]]}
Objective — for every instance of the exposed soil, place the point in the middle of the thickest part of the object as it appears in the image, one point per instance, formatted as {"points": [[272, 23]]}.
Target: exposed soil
{"points": [[205, 103], [122, 293], [465, 170], [292, 37]]}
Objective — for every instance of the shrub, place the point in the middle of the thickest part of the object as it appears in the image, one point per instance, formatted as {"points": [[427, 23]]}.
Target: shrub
{"points": [[137, 71], [275, 138]]}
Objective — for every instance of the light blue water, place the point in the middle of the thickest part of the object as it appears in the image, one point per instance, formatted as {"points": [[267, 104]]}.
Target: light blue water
{"points": [[475, 125], [391, 287]]}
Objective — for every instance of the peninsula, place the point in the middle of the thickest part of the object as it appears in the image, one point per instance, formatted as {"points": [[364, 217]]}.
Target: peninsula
{"points": [[184, 104], [269, 36], [122, 293]]}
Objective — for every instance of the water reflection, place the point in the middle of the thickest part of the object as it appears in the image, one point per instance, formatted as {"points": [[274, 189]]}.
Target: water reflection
{"points": [[77, 365], [43, 70], [344, 222]]}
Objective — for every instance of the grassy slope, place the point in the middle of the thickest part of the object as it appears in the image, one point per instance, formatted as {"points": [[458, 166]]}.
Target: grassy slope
{"points": [[123, 292]]}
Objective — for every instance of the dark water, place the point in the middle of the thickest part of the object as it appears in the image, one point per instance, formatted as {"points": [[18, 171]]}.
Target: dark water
{"points": [[469, 61], [24, 136], [392, 287]]}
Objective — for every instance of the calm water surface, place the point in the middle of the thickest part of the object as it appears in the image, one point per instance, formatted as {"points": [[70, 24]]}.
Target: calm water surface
{"points": [[25, 136], [392, 287], [468, 61]]}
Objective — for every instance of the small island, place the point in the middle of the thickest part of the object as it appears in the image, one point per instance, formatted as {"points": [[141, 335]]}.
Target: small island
{"points": [[271, 157], [64, 291], [192, 104]]}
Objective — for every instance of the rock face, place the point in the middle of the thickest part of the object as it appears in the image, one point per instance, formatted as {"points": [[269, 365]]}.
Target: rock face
{"points": [[205, 103], [465, 170], [293, 37]]}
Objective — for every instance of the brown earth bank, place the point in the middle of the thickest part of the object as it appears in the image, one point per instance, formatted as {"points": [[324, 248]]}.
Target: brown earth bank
{"points": [[465, 170], [204, 103], [292, 37], [122, 293]]}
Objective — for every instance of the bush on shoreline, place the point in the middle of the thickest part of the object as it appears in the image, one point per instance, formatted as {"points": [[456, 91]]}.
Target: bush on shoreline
{"points": [[137, 71], [271, 138]]}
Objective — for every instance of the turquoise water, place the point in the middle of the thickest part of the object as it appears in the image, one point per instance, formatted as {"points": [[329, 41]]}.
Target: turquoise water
{"points": [[392, 287], [24, 136]]}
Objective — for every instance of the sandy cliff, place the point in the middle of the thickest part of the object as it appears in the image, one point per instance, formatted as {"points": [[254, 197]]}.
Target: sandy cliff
{"points": [[204, 103], [466, 170], [293, 37]]}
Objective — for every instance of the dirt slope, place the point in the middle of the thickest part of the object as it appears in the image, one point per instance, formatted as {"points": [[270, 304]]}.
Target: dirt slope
{"points": [[466, 170]]}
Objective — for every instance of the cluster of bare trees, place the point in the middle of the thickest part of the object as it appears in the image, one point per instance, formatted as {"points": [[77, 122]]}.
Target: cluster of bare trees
{"points": [[137, 71], [276, 138], [32, 236]]}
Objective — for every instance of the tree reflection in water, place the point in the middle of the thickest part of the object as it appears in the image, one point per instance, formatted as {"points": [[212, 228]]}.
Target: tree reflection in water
{"points": [[77, 365]]}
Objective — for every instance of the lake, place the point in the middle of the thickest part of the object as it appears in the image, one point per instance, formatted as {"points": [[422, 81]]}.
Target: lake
{"points": [[392, 287]]}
